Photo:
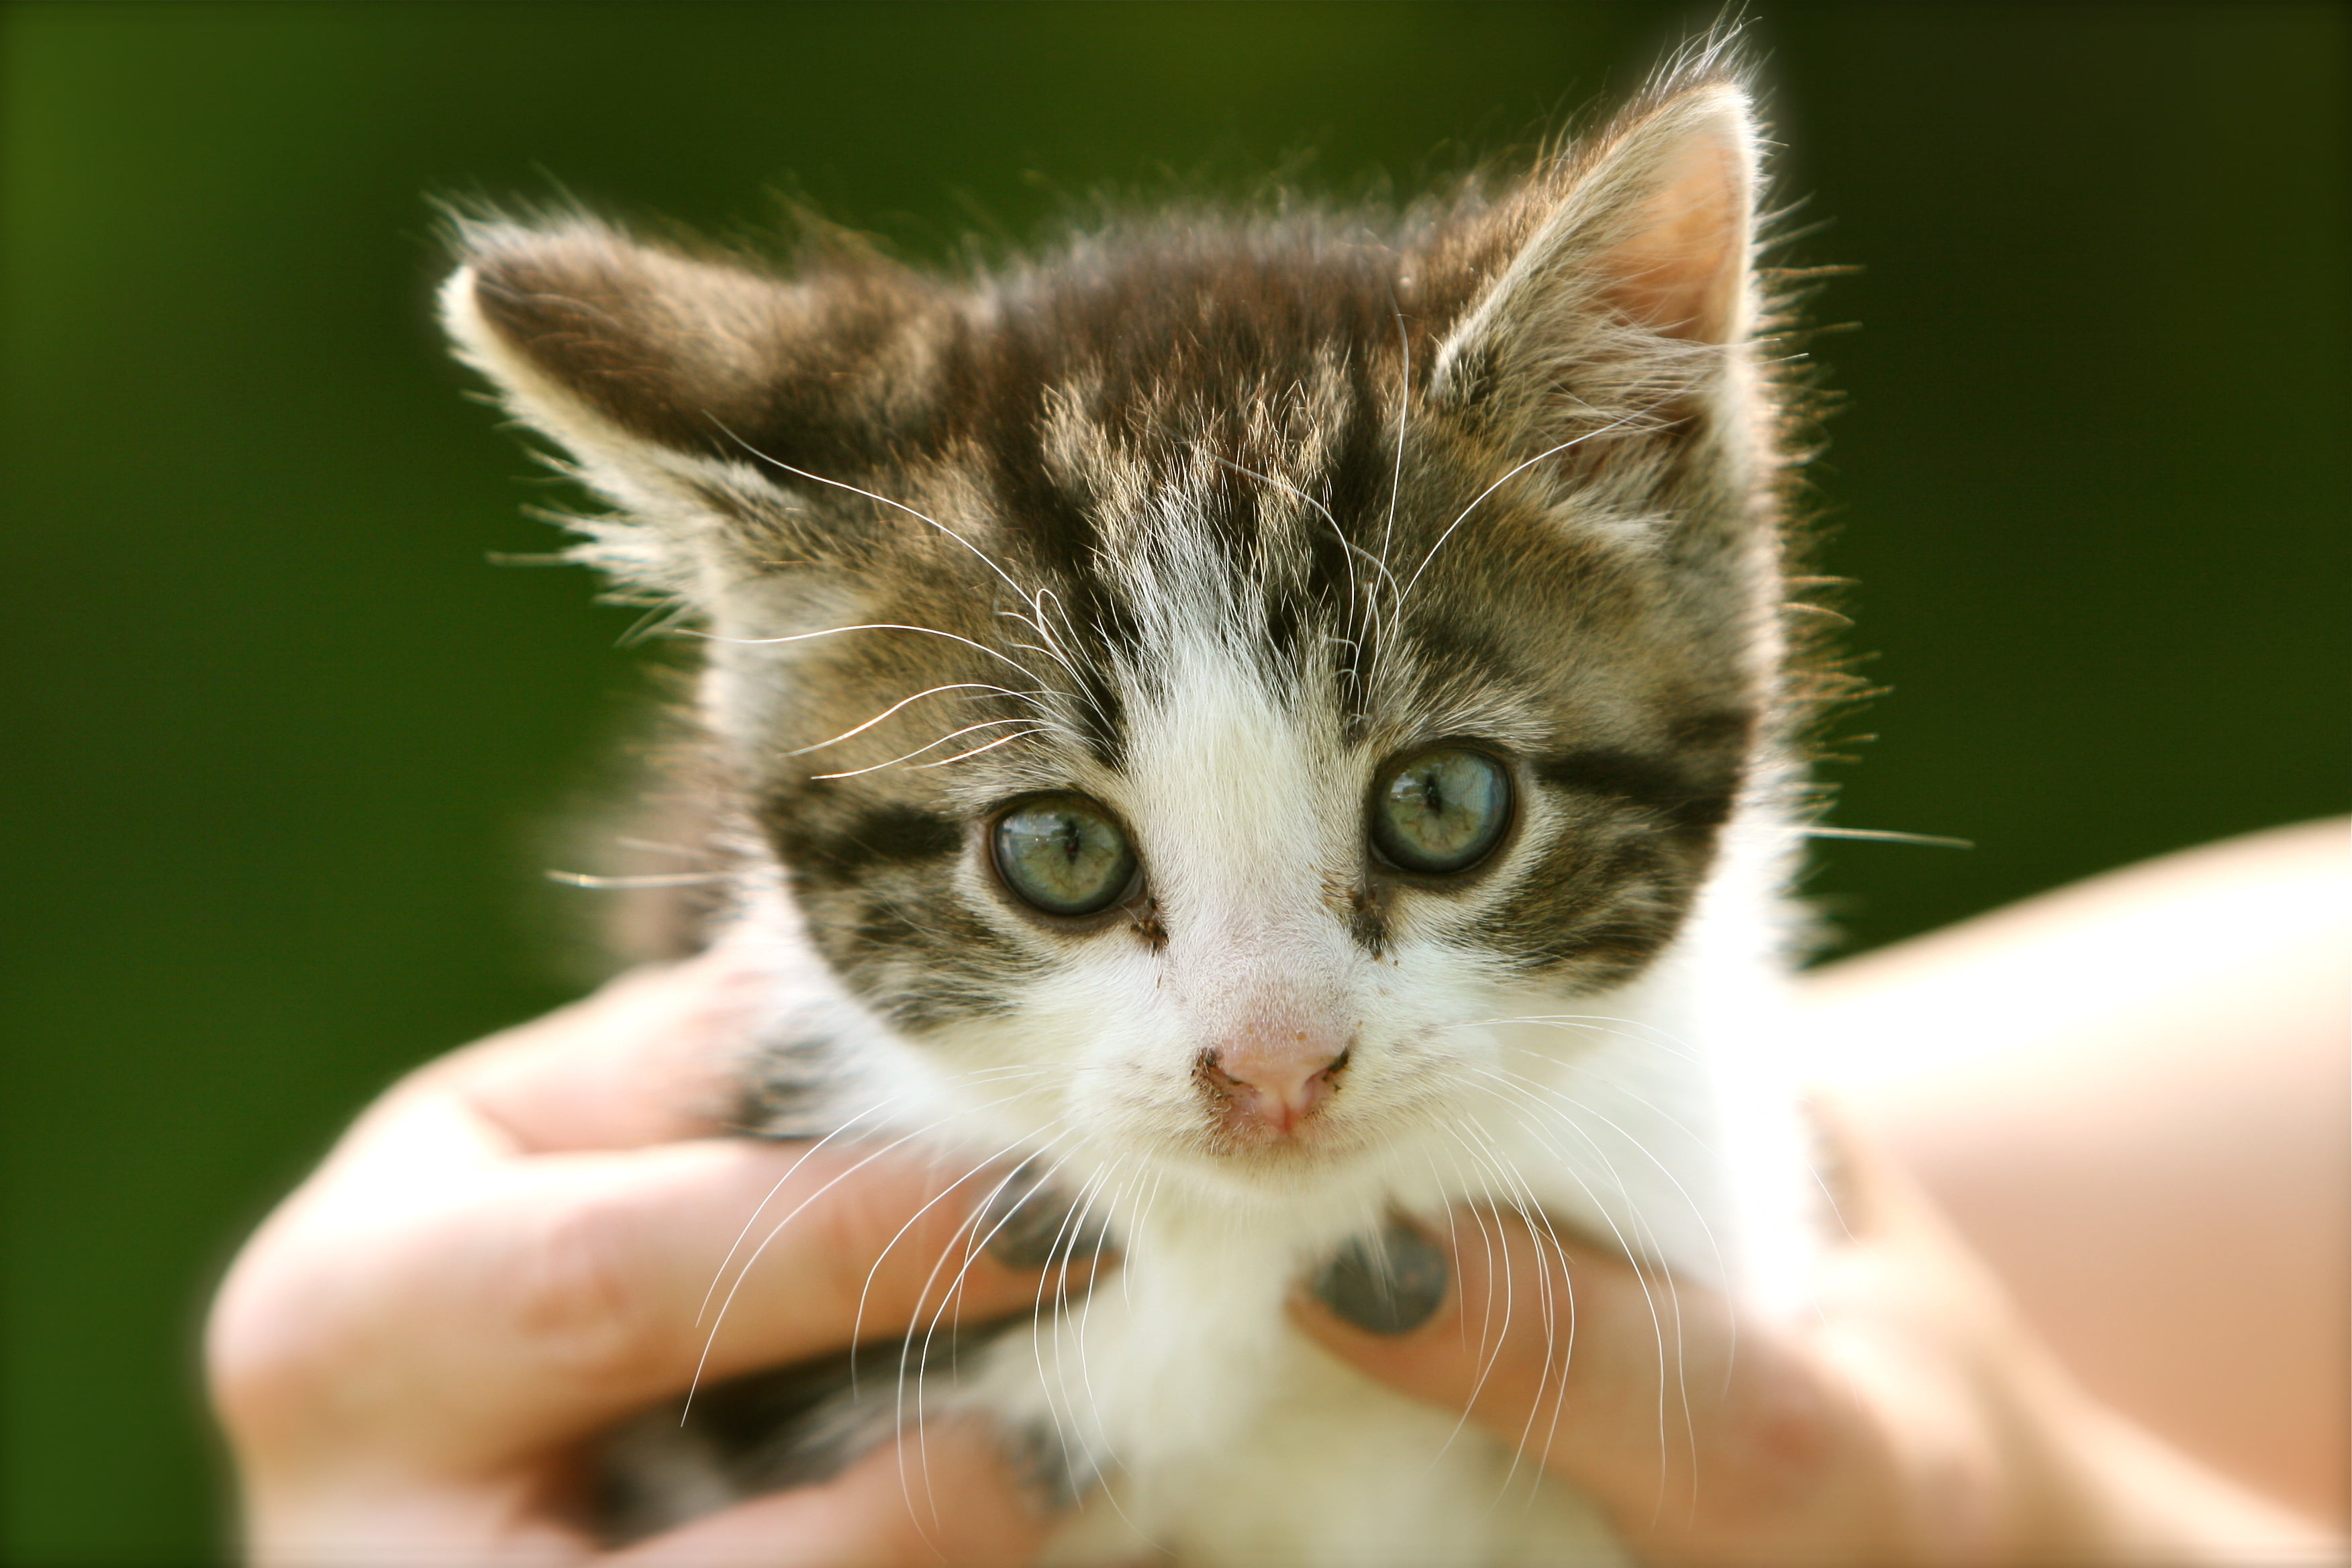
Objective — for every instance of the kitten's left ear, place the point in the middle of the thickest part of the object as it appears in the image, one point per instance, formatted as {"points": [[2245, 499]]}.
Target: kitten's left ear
{"points": [[692, 390], [1634, 263]]}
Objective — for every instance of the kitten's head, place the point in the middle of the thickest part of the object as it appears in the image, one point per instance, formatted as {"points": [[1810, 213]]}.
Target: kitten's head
{"points": [[1189, 680]]}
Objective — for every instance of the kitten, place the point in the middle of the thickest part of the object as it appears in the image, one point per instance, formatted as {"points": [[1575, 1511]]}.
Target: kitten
{"points": [[1278, 723]]}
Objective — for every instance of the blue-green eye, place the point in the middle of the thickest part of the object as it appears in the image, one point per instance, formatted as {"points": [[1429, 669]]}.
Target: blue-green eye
{"points": [[1064, 854], [1441, 810]]}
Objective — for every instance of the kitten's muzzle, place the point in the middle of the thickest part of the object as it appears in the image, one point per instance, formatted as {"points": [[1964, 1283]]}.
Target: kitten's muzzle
{"points": [[1267, 1085]]}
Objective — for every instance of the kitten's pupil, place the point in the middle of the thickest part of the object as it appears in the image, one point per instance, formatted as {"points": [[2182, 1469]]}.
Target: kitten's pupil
{"points": [[1442, 811], [1064, 855]]}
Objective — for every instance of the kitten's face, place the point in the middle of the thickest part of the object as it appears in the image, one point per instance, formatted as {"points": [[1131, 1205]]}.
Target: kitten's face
{"points": [[1181, 808], [1191, 688]]}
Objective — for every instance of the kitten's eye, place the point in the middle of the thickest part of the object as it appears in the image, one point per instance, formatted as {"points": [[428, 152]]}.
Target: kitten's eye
{"points": [[1442, 810], [1064, 854]]}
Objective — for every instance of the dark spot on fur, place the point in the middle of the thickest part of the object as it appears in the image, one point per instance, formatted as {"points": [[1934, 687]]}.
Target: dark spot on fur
{"points": [[790, 1426], [1285, 627], [1062, 1470], [1367, 920], [1101, 709], [1723, 735], [1686, 803], [785, 1090], [887, 834], [1028, 1223]]}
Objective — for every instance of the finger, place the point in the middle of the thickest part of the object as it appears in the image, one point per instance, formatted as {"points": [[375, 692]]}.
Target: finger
{"points": [[570, 1289], [651, 1057], [1692, 1433], [949, 1493]]}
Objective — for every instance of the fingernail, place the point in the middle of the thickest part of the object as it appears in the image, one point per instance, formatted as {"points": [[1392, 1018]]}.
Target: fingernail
{"points": [[1388, 1284], [1027, 1224]]}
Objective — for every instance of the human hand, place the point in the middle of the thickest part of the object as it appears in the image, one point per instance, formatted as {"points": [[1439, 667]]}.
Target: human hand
{"points": [[511, 1251], [1910, 1419]]}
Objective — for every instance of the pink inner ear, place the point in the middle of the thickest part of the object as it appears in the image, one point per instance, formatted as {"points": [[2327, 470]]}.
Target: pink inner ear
{"points": [[1680, 270]]}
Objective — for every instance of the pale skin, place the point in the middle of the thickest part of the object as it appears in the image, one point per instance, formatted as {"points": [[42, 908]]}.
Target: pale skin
{"points": [[511, 1251]]}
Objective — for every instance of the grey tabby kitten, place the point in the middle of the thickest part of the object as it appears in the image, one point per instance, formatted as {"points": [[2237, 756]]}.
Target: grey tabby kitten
{"points": [[1272, 725]]}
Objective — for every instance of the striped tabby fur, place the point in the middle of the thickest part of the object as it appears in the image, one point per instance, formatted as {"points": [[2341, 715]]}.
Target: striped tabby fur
{"points": [[1206, 516]]}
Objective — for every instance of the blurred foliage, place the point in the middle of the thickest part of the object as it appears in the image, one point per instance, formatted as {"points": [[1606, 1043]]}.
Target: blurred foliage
{"points": [[281, 743]]}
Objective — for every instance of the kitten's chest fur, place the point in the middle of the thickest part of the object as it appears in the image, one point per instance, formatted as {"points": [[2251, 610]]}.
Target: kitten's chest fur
{"points": [[1262, 725]]}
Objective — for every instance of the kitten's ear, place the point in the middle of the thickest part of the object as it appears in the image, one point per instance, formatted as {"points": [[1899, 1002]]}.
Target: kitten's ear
{"points": [[680, 386], [1630, 263]]}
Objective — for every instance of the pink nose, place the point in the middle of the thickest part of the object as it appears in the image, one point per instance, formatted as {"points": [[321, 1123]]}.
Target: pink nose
{"points": [[1273, 1085]]}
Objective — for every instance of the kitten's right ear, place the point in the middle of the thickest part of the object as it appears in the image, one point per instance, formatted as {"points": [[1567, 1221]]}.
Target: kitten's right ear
{"points": [[680, 386]]}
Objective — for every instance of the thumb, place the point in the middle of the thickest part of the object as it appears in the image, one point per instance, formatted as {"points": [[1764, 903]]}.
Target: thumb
{"points": [[1641, 1392]]}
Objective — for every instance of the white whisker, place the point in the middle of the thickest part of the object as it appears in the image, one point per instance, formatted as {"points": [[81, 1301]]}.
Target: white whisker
{"points": [[1490, 490], [903, 702], [949, 1300], [648, 879], [867, 627], [841, 1131], [1396, 481], [1539, 1228], [1567, 1102], [935, 745], [1643, 1269], [1888, 836], [982, 555], [758, 1252], [1639, 1220], [1000, 741], [1491, 1334]]}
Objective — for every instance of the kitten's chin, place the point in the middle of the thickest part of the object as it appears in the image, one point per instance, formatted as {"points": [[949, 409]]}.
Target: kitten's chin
{"points": [[1243, 1142], [1251, 1161], [1338, 1147]]}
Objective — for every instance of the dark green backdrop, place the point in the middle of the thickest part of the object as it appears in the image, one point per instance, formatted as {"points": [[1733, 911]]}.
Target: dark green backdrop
{"points": [[280, 739]]}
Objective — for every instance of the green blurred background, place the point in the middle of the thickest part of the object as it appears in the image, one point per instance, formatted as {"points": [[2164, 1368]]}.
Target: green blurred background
{"points": [[282, 744]]}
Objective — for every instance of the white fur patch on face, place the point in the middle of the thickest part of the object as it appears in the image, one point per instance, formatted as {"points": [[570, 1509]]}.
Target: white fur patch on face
{"points": [[1247, 808], [1245, 798]]}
